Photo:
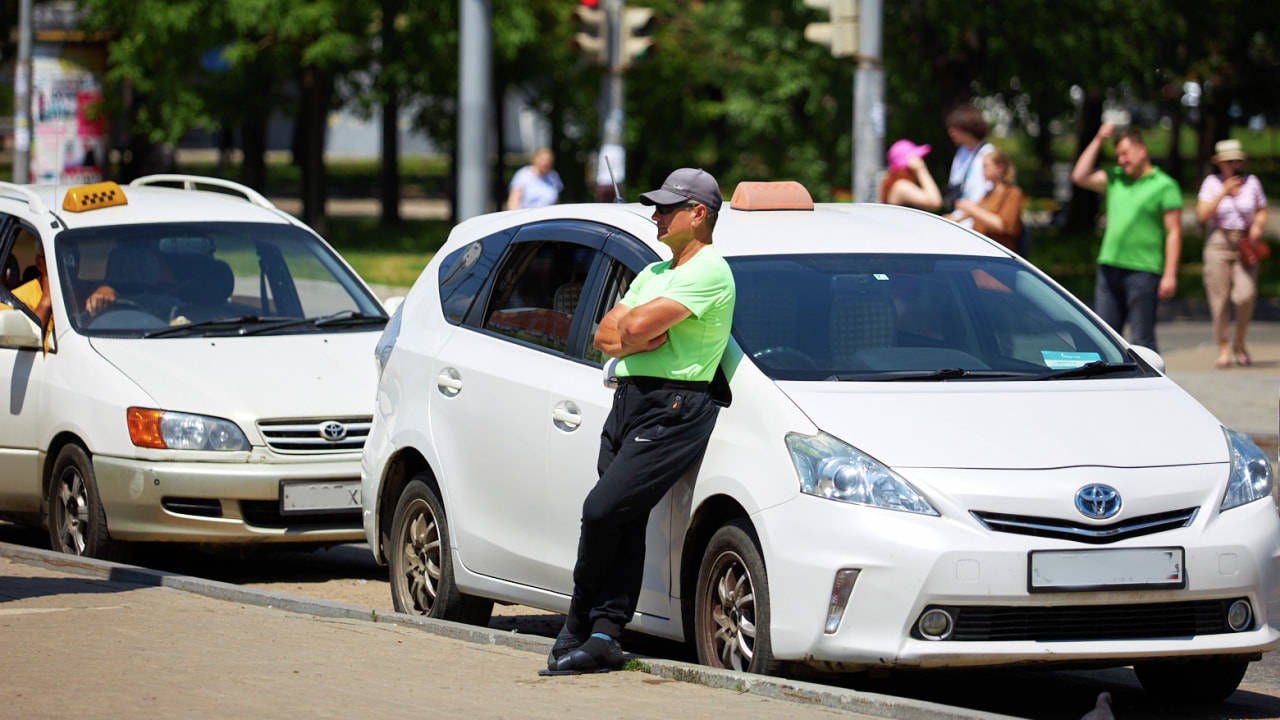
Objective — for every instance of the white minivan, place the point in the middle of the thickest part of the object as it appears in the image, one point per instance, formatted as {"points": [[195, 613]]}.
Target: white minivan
{"points": [[205, 377], [929, 454]]}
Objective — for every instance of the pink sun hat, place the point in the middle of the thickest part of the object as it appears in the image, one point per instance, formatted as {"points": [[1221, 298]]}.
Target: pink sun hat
{"points": [[902, 152]]}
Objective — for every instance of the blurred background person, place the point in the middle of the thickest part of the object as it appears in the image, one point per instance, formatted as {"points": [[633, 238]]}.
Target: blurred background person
{"points": [[908, 181], [1235, 208], [536, 184], [999, 214], [968, 130]]}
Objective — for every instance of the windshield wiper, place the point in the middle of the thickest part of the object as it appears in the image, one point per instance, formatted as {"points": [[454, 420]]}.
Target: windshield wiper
{"points": [[925, 375], [343, 317], [1097, 368], [236, 321]]}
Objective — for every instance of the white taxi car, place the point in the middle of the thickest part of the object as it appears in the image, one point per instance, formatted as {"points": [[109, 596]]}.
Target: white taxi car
{"points": [[929, 454], [205, 378]]}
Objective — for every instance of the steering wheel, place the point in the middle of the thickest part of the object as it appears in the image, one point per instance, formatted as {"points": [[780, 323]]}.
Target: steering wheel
{"points": [[87, 319], [782, 357]]}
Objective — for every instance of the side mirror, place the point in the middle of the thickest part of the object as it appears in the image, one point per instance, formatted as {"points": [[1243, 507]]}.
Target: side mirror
{"points": [[18, 330], [391, 303], [1150, 357]]}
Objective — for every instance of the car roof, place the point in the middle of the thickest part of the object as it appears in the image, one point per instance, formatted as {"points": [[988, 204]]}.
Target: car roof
{"points": [[828, 227], [145, 204]]}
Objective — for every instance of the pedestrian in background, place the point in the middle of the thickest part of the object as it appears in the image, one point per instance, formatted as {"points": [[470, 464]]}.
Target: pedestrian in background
{"points": [[1233, 205], [999, 214], [908, 181], [536, 184], [668, 333], [968, 130], [1138, 261]]}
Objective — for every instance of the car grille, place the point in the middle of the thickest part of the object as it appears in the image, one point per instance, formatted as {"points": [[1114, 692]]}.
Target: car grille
{"points": [[316, 435], [266, 514], [1090, 622], [1095, 534]]}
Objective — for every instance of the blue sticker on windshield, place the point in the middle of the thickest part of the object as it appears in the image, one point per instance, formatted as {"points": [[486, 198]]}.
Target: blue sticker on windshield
{"points": [[1056, 360]]}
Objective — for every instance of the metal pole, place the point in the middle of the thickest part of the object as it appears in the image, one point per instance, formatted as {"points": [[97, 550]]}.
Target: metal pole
{"points": [[474, 81], [868, 103], [22, 97]]}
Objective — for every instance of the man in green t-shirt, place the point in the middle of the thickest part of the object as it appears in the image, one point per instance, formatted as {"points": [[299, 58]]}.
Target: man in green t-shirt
{"points": [[668, 332], [1138, 262]]}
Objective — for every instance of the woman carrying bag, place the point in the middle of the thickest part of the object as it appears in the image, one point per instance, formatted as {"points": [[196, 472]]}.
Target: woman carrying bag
{"points": [[1235, 208]]}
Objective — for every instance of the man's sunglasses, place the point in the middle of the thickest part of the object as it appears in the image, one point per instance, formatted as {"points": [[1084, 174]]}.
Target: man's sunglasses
{"points": [[668, 209]]}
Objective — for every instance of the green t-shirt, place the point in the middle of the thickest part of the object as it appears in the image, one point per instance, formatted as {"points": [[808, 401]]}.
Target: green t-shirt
{"points": [[1134, 239], [694, 345]]}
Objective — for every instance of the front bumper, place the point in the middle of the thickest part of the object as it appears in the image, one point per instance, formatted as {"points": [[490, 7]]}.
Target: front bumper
{"points": [[218, 502], [910, 562]]}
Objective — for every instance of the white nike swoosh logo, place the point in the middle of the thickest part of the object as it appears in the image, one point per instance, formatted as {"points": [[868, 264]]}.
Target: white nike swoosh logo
{"points": [[640, 439]]}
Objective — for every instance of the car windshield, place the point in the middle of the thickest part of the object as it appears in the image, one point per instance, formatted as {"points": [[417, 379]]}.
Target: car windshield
{"points": [[185, 279], [894, 318]]}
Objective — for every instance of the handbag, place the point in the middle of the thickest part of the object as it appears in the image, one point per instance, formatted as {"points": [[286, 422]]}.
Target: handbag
{"points": [[1252, 251], [953, 192]]}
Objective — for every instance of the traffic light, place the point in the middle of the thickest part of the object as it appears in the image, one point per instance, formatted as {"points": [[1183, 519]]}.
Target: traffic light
{"points": [[593, 37], [841, 34], [635, 35]]}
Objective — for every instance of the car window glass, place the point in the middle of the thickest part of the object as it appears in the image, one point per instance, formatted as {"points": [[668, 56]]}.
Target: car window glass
{"points": [[537, 292], [617, 281], [848, 316], [463, 273], [19, 265], [132, 280]]}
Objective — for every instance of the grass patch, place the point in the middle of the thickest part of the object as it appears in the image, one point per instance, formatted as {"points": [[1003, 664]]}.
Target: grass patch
{"points": [[392, 256], [636, 666]]}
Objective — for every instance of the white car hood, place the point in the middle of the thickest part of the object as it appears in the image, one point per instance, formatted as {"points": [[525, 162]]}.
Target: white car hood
{"points": [[1017, 425], [248, 378]]}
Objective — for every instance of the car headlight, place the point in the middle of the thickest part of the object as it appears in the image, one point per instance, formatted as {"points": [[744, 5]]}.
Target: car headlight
{"points": [[1250, 472], [834, 469], [183, 431]]}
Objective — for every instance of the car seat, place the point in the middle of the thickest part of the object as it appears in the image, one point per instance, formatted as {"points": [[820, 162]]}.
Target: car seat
{"points": [[207, 285], [863, 317]]}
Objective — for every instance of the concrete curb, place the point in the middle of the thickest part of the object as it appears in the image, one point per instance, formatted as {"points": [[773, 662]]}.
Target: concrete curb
{"points": [[814, 694]]}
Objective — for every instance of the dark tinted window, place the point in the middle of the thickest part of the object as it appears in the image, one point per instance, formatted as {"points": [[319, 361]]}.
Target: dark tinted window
{"points": [[463, 274], [537, 292]]}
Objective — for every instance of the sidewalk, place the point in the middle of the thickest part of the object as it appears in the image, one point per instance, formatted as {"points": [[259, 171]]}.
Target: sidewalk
{"points": [[88, 638]]}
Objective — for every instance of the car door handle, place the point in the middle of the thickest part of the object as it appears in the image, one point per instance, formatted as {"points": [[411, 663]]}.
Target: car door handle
{"points": [[449, 382], [566, 416]]}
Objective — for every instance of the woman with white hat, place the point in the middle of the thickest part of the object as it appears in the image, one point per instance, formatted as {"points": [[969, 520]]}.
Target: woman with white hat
{"points": [[1235, 208]]}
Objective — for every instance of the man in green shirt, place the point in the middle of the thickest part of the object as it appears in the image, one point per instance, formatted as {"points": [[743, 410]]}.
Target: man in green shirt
{"points": [[1138, 262], [668, 332]]}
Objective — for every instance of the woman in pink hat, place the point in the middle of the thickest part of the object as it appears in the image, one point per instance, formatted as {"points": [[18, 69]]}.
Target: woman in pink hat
{"points": [[908, 181]]}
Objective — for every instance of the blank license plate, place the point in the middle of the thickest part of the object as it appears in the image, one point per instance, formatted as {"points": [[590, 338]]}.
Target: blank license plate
{"points": [[1120, 569], [319, 497]]}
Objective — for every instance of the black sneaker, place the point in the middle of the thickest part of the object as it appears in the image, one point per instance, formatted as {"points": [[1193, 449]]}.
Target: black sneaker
{"points": [[566, 642], [600, 653]]}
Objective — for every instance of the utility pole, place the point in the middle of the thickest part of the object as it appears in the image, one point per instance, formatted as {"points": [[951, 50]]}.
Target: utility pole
{"points": [[22, 97], [475, 77], [868, 102], [855, 30]]}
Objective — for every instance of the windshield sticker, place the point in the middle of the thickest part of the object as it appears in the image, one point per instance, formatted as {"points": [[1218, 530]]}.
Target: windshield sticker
{"points": [[881, 276], [1057, 360]]}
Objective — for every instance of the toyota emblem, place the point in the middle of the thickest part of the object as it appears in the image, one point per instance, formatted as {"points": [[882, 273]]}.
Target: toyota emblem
{"points": [[333, 431], [1098, 501]]}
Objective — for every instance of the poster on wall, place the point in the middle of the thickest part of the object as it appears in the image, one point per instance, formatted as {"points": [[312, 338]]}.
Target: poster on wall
{"points": [[69, 137]]}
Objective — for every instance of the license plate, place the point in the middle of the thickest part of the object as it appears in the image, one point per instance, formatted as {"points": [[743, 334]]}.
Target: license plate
{"points": [[1118, 569], [319, 497]]}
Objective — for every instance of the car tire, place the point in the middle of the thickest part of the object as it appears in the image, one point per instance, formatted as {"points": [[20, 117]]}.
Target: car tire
{"points": [[77, 522], [1197, 681], [421, 561], [731, 605]]}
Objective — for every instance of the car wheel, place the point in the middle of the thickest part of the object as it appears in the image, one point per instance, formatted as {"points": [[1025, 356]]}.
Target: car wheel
{"points": [[731, 606], [421, 564], [77, 521], [1197, 681]]}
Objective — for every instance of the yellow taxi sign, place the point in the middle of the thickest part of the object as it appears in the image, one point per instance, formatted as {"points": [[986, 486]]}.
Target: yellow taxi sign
{"points": [[782, 195], [92, 197]]}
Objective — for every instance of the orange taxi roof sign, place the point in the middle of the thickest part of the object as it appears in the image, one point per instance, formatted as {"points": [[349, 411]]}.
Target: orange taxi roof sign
{"points": [[780, 195], [92, 197]]}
